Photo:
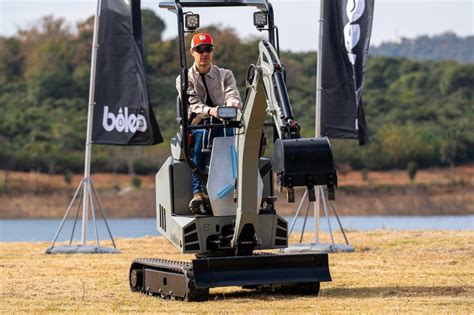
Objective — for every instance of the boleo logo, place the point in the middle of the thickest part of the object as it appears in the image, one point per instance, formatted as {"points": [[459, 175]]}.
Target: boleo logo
{"points": [[123, 122]]}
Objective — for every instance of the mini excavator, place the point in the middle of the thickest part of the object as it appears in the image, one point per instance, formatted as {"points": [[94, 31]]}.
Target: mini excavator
{"points": [[228, 245]]}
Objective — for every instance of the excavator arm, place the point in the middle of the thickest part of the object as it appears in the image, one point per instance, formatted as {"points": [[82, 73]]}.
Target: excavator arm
{"points": [[297, 162]]}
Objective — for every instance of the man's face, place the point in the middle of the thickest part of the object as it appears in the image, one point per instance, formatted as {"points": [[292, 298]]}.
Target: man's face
{"points": [[202, 55]]}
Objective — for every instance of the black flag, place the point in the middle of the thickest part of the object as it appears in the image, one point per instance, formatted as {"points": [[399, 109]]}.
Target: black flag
{"points": [[122, 111], [347, 28]]}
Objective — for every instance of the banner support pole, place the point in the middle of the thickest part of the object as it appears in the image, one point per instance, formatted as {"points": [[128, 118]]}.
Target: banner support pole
{"points": [[88, 149], [317, 129], [321, 196], [317, 118], [86, 182]]}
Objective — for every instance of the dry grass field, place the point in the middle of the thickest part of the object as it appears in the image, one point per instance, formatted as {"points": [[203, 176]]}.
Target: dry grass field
{"points": [[390, 272]]}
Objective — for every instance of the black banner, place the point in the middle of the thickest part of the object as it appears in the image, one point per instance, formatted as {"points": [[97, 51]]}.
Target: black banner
{"points": [[347, 29], [122, 112]]}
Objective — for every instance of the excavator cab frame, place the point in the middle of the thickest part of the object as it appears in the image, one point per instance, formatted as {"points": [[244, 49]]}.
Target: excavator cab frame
{"points": [[177, 8]]}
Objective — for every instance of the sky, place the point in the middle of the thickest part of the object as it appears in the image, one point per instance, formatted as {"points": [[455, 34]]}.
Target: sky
{"points": [[297, 20]]}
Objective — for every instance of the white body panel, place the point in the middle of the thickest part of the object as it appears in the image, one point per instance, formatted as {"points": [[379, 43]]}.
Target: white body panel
{"points": [[222, 176]]}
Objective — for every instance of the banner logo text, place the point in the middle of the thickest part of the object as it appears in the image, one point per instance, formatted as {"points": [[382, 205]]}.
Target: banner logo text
{"points": [[123, 122]]}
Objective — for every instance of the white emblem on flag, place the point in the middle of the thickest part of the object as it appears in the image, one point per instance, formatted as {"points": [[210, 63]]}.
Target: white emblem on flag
{"points": [[354, 10]]}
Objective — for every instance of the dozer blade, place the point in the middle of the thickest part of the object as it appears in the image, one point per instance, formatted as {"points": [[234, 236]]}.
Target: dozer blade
{"points": [[260, 270]]}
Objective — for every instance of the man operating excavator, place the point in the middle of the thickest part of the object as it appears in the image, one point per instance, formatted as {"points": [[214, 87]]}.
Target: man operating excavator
{"points": [[209, 87]]}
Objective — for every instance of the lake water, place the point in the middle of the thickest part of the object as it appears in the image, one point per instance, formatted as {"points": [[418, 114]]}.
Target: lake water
{"points": [[27, 230]]}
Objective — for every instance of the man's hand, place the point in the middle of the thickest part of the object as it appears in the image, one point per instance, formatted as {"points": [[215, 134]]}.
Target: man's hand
{"points": [[213, 112]]}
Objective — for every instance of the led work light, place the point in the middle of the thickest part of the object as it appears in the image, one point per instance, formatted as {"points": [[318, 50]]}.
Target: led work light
{"points": [[192, 21], [260, 19]]}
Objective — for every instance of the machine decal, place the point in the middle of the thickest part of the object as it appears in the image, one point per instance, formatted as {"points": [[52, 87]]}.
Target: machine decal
{"points": [[225, 191], [233, 157]]}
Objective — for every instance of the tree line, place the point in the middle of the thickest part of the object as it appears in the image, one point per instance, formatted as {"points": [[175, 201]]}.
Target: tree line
{"points": [[446, 46], [417, 111]]}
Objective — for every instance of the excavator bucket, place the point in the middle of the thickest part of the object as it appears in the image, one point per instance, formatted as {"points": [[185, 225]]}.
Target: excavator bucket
{"points": [[304, 162], [263, 269]]}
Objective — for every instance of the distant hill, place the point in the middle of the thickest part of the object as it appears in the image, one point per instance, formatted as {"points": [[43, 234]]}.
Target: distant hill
{"points": [[447, 46]]}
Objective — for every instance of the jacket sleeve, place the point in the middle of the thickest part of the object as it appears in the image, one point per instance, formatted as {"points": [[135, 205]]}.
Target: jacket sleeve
{"points": [[195, 104], [231, 92]]}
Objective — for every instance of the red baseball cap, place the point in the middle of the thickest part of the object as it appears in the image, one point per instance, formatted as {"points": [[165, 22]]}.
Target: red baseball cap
{"points": [[201, 39]]}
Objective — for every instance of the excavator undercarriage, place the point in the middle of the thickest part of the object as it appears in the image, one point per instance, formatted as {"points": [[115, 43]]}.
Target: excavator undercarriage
{"points": [[191, 281]]}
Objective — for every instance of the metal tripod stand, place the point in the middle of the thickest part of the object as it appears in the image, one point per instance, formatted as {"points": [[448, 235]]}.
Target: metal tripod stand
{"points": [[86, 195], [317, 246]]}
